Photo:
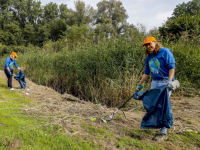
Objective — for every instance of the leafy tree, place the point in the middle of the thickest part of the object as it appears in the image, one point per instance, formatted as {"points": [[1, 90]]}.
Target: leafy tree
{"points": [[184, 22], [20, 12], [75, 34], [191, 7], [42, 35], [57, 27], [5, 14], [111, 17], [185, 26], [63, 10], [111, 11], [81, 14], [29, 34], [26, 11], [50, 11], [11, 34], [35, 11]]}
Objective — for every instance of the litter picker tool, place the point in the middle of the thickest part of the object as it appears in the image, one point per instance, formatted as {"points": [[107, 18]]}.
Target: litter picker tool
{"points": [[110, 117]]}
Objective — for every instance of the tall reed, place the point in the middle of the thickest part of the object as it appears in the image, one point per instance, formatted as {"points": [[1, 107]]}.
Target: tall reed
{"points": [[104, 71]]}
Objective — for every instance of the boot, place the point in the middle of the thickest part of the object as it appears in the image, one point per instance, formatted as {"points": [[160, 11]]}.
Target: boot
{"points": [[160, 137]]}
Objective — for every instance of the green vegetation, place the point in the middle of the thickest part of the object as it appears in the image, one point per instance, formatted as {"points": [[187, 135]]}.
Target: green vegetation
{"points": [[138, 139], [130, 143], [24, 22], [20, 129], [100, 63], [97, 56], [184, 22], [106, 71], [29, 131], [101, 133]]}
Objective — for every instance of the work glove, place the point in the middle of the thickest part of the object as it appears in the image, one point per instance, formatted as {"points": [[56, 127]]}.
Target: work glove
{"points": [[10, 73], [139, 87], [169, 84]]}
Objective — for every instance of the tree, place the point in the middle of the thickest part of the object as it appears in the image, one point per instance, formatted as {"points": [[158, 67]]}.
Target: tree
{"points": [[11, 34], [192, 8], [20, 12], [26, 11], [63, 10], [42, 35], [35, 12], [81, 34], [29, 34], [50, 11], [57, 27], [111, 16], [185, 21], [81, 14], [5, 14]]}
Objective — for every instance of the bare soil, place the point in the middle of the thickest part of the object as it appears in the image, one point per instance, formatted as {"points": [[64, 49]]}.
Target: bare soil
{"points": [[65, 108]]}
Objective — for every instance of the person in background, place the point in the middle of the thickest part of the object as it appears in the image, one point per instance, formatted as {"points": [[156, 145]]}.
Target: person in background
{"points": [[160, 63], [8, 68]]}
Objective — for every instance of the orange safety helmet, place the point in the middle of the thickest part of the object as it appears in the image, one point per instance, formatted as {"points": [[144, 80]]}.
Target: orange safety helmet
{"points": [[149, 40], [15, 54]]}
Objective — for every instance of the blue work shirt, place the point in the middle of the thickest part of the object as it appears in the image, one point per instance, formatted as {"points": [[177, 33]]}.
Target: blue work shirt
{"points": [[9, 63], [164, 61]]}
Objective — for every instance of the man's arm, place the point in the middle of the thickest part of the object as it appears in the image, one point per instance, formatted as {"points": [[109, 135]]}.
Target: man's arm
{"points": [[144, 77], [8, 69], [171, 74]]}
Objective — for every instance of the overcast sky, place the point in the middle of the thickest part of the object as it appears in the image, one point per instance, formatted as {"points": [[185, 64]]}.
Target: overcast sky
{"points": [[151, 13]]}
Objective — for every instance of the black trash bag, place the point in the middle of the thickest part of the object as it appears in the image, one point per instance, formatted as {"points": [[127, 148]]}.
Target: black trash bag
{"points": [[20, 77]]}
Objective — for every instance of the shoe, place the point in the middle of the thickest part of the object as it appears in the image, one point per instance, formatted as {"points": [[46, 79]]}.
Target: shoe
{"points": [[160, 137], [12, 89]]}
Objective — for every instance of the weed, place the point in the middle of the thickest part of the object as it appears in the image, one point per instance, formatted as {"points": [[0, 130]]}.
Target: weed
{"points": [[118, 117]]}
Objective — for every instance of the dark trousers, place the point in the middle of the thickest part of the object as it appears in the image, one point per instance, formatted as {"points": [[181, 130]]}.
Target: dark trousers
{"points": [[9, 77]]}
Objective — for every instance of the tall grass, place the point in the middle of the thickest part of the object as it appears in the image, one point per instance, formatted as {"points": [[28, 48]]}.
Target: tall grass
{"points": [[105, 71], [187, 55]]}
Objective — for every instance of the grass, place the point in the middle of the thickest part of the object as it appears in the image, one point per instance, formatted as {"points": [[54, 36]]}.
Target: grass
{"points": [[140, 139], [105, 71], [131, 143], [35, 133], [31, 132], [101, 133]]}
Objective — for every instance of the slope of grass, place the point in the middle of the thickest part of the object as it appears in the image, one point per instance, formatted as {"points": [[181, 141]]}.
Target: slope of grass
{"points": [[21, 130], [140, 139], [25, 131]]}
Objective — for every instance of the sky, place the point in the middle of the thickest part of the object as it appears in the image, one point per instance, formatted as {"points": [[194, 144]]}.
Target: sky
{"points": [[150, 13]]}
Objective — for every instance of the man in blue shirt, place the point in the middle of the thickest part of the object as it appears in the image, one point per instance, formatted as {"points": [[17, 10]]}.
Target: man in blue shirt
{"points": [[8, 68], [160, 63]]}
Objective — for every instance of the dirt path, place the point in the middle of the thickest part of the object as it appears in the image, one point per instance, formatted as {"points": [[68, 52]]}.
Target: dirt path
{"points": [[186, 111]]}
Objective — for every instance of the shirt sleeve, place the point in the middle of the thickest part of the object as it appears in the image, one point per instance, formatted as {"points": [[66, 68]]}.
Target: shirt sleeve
{"points": [[146, 70], [169, 60], [7, 63], [15, 63]]}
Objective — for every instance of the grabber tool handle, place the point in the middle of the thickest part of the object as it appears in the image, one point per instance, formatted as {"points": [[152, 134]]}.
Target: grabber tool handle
{"points": [[129, 99]]}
